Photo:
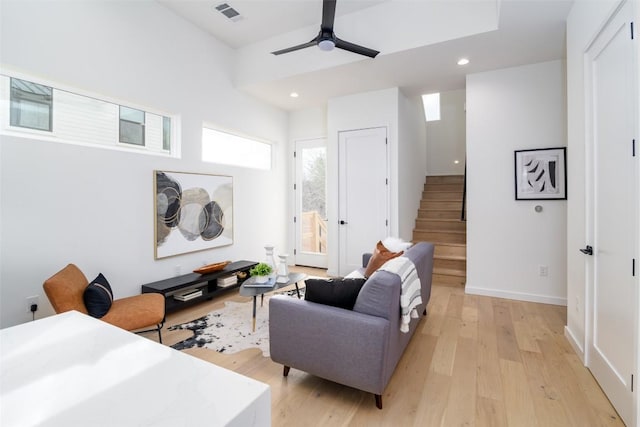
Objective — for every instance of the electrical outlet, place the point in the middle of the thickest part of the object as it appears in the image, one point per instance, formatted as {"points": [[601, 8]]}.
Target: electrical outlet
{"points": [[543, 270], [178, 270], [32, 300], [577, 304]]}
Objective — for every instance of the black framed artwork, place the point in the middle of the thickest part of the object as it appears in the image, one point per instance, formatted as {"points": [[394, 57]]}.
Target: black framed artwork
{"points": [[541, 174]]}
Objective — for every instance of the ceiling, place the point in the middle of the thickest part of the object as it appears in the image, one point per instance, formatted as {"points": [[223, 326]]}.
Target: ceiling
{"points": [[418, 41]]}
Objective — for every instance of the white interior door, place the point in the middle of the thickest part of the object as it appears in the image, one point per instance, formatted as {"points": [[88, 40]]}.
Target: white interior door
{"points": [[363, 194], [311, 203], [613, 216]]}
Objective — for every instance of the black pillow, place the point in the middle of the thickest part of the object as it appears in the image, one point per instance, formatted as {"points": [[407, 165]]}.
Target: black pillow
{"points": [[336, 292], [98, 297]]}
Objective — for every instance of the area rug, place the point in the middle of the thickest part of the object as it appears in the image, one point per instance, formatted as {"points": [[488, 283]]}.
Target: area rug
{"points": [[228, 330]]}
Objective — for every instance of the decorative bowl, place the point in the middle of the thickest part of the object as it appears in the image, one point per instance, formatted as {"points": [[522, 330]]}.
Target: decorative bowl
{"points": [[210, 268]]}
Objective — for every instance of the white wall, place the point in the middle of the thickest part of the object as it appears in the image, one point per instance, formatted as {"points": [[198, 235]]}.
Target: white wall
{"points": [[405, 132], [507, 110], [93, 207], [360, 111], [446, 138], [412, 162], [310, 123]]}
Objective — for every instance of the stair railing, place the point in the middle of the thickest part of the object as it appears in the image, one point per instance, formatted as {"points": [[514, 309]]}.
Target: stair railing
{"points": [[463, 213]]}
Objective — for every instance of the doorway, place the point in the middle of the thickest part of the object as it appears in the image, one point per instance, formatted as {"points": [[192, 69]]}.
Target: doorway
{"points": [[363, 194], [612, 211], [311, 203]]}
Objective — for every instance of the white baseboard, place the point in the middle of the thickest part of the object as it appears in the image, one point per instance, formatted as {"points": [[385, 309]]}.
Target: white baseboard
{"points": [[518, 296], [577, 347]]}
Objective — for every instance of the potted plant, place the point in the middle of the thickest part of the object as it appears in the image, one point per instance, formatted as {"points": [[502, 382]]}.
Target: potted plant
{"points": [[261, 272]]}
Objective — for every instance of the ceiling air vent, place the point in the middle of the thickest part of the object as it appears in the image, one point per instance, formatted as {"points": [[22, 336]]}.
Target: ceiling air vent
{"points": [[229, 12]]}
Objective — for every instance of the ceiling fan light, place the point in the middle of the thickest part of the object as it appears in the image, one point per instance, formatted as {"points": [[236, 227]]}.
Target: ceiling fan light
{"points": [[326, 45]]}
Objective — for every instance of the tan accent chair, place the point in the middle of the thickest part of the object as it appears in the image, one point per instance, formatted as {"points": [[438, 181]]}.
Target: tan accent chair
{"points": [[65, 291]]}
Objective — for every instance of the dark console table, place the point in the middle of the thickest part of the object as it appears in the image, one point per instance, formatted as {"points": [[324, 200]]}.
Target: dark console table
{"points": [[207, 283]]}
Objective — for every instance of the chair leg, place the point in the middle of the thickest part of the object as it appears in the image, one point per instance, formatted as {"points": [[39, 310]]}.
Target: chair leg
{"points": [[285, 371], [157, 329], [379, 401]]}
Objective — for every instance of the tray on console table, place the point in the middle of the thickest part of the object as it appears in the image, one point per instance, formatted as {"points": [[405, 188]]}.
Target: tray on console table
{"points": [[207, 282]]}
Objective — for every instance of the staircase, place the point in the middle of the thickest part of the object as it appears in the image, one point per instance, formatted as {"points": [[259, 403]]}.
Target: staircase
{"points": [[439, 222]]}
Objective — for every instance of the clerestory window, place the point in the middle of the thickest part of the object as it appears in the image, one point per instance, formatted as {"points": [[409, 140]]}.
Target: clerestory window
{"points": [[49, 113], [229, 149]]}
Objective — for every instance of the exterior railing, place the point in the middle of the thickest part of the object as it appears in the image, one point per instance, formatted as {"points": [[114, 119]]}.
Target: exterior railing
{"points": [[314, 233]]}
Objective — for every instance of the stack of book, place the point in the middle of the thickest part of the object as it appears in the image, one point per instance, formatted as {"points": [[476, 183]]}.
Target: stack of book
{"points": [[188, 295], [268, 284], [223, 282]]}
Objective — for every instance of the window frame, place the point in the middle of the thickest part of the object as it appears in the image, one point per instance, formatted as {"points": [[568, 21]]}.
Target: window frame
{"points": [[7, 128], [142, 126], [30, 97]]}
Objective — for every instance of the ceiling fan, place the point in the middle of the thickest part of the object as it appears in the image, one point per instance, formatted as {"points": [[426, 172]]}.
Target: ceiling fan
{"points": [[326, 39]]}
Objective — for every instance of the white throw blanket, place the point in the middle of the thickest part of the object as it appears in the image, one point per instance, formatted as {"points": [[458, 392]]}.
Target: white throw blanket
{"points": [[410, 296]]}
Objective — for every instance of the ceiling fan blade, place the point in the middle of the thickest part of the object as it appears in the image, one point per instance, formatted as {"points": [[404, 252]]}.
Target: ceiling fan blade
{"points": [[328, 14], [298, 47], [326, 36], [351, 47]]}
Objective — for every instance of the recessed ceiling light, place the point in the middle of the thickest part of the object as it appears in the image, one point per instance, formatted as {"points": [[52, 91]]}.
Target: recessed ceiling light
{"points": [[456, 162], [294, 94], [463, 61]]}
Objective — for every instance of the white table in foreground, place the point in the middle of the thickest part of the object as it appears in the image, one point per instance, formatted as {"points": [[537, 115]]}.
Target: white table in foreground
{"points": [[74, 370]]}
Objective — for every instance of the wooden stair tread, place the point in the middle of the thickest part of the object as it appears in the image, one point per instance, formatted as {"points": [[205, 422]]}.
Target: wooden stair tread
{"points": [[438, 213], [444, 190], [440, 219], [439, 222], [444, 244], [459, 245], [451, 257], [431, 230], [448, 179]]}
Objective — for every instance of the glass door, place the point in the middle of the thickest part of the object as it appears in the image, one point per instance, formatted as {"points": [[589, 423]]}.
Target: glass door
{"points": [[311, 203]]}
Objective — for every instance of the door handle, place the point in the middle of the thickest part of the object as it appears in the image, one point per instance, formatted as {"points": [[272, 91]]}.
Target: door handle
{"points": [[343, 222], [587, 251]]}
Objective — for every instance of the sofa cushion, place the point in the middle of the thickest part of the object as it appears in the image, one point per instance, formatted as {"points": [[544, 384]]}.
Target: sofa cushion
{"points": [[395, 244], [380, 255], [356, 274], [335, 292], [98, 296]]}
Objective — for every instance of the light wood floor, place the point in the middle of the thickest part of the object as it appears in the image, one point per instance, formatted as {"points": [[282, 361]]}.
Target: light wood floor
{"points": [[474, 361]]}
